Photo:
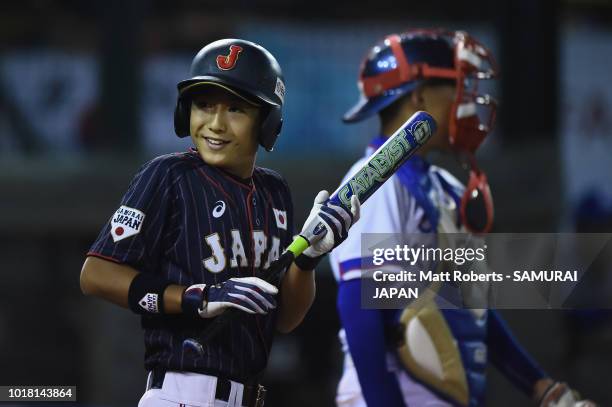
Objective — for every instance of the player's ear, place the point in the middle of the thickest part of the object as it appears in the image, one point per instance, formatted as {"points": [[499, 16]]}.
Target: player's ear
{"points": [[182, 117]]}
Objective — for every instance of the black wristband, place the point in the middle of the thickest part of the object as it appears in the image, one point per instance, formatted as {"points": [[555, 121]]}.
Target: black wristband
{"points": [[146, 294], [306, 262]]}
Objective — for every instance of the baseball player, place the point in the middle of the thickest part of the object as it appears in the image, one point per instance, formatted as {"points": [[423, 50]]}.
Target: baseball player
{"points": [[436, 71], [195, 229]]}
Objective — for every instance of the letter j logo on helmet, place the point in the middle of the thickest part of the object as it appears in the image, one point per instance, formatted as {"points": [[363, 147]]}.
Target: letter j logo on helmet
{"points": [[227, 62]]}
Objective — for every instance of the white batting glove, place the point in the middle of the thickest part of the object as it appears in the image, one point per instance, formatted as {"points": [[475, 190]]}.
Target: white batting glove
{"points": [[337, 222], [249, 294], [560, 395]]}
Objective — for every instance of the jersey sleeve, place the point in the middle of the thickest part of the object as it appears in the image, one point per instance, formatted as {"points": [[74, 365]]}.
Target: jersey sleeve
{"points": [[509, 357], [133, 234]]}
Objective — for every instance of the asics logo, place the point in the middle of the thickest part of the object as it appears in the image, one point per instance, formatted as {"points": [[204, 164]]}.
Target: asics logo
{"points": [[219, 209]]}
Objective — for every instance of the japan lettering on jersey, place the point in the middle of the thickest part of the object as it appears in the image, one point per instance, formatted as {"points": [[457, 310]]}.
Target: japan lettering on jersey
{"points": [[192, 223]]}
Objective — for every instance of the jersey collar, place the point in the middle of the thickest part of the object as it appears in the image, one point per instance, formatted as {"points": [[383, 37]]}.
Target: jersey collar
{"points": [[414, 176], [243, 182]]}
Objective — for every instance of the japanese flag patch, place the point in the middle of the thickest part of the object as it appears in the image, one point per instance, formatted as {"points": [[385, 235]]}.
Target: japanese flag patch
{"points": [[281, 218], [126, 222]]}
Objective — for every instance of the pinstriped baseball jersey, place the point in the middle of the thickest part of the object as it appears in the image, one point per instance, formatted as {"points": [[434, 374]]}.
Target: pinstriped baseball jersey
{"points": [[192, 223]]}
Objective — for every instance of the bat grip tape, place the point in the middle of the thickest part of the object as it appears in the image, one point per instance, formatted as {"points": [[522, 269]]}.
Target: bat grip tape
{"points": [[298, 245]]}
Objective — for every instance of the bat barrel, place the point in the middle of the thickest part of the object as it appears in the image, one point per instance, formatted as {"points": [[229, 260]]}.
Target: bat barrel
{"points": [[406, 140]]}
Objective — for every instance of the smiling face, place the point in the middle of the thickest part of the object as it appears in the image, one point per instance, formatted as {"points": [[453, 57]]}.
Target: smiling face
{"points": [[224, 128]]}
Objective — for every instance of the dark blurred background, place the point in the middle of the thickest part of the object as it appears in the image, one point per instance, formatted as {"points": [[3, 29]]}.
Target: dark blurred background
{"points": [[87, 92]]}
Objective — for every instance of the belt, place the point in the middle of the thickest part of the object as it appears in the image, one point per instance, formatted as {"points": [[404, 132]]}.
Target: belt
{"points": [[252, 396]]}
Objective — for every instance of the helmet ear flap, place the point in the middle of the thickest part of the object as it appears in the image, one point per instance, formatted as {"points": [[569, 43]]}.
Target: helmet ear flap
{"points": [[270, 128], [182, 112]]}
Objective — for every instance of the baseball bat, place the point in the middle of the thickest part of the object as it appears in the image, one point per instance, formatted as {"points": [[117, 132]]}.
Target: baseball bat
{"points": [[381, 165]]}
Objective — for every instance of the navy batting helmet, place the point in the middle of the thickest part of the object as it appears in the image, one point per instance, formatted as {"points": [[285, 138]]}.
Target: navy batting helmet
{"points": [[241, 67]]}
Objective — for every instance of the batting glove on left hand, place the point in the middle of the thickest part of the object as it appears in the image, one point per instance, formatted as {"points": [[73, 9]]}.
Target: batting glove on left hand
{"points": [[561, 395], [337, 221], [249, 294]]}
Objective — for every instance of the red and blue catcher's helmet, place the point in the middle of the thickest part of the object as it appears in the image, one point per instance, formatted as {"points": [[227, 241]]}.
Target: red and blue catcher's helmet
{"points": [[401, 62], [391, 70]]}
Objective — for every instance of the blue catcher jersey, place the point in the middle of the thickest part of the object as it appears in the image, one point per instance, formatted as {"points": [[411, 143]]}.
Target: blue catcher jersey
{"points": [[192, 223], [419, 198], [444, 353]]}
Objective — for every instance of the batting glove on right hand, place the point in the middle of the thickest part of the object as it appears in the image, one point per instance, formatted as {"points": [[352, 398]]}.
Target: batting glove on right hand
{"points": [[336, 219], [249, 294]]}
